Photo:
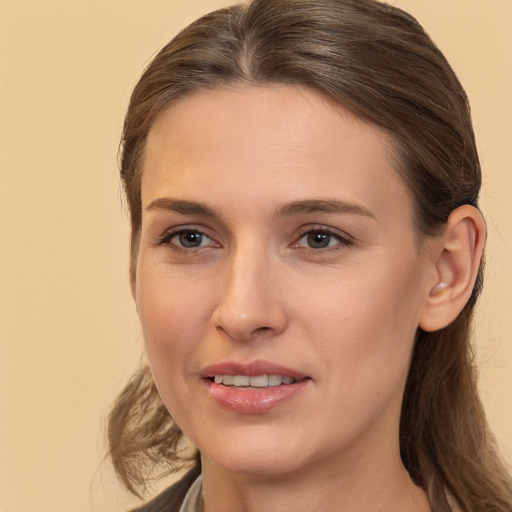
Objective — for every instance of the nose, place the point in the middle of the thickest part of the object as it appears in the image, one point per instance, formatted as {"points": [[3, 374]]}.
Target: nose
{"points": [[251, 305]]}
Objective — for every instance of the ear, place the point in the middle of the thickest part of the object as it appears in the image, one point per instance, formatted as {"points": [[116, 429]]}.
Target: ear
{"points": [[455, 256]]}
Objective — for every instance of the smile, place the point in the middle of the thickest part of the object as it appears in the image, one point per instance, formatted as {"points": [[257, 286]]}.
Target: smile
{"points": [[256, 381], [255, 387]]}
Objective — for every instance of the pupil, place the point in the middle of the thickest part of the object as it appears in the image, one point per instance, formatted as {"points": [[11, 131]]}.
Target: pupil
{"points": [[191, 239], [318, 240]]}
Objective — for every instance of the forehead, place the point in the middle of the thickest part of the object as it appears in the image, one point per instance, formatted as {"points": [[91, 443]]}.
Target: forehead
{"points": [[268, 142], [272, 114]]}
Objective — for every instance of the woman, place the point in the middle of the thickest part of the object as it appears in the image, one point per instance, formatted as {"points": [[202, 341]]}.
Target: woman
{"points": [[303, 180]]}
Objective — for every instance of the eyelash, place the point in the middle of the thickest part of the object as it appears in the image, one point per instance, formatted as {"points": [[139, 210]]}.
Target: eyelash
{"points": [[166, 239], [343, 240]]}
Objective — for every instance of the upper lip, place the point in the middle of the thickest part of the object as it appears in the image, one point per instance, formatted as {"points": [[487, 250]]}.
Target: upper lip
{"points": [[251, 369]]}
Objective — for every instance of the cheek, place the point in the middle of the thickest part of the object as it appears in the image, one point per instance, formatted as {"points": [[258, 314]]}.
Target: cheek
{"points": [[173, 316], [367, 322]]}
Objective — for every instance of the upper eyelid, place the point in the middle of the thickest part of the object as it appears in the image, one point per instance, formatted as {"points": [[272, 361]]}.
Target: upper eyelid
{"points": [[170, 233], [326, 229], [186, 227]]}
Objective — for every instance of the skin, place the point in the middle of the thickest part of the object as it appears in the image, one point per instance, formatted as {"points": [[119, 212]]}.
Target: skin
{"points": [[344, 315]]}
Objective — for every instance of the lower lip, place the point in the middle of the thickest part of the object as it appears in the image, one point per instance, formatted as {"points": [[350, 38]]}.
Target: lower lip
{"points": [[254, 400]]}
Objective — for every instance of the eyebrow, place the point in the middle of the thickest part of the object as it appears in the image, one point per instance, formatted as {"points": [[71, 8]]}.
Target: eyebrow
{"points": [[301, 207], [323, 206], [181, 206]]}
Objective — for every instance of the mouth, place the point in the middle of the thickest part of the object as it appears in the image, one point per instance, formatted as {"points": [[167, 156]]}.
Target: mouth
{"points": [[254, 381], [253, 388], [255, 374]]}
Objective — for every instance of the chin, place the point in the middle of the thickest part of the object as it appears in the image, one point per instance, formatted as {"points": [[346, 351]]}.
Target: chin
{"points": [[254, 455], [259, 466]]}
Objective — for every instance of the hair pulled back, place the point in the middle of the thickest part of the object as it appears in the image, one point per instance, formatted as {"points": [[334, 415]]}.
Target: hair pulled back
{"points": [[378, 62]]}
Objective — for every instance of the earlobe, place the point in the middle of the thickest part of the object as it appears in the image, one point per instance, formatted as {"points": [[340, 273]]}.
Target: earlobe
{"points": [[456, 260]]}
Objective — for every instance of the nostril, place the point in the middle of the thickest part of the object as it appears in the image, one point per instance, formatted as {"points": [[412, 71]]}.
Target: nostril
{"points": [[261, 331], [243, 321]]}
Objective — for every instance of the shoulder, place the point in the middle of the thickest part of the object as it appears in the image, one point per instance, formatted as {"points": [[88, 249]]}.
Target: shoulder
{"points": [[171, 499]]}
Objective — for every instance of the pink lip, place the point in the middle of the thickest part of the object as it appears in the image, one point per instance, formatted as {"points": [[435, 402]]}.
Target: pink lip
{"points": [[255, 400], [259, 367]]}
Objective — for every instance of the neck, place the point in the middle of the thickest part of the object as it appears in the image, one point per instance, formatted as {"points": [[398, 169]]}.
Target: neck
{"points": [[352, 483]]}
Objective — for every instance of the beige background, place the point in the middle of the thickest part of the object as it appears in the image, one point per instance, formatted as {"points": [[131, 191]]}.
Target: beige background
{"points": [[68, 331]]}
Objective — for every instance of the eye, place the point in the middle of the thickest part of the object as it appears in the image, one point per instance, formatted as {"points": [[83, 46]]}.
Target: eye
{"points": [[186, 239], [319, 240], [190, 239], [322, 239]]}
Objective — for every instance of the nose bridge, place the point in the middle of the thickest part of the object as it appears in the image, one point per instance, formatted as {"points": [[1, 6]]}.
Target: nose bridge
{"points": [[249, 301]]}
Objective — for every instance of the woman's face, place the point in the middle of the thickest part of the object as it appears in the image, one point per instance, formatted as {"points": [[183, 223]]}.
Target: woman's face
{"points": [[277, 239]]}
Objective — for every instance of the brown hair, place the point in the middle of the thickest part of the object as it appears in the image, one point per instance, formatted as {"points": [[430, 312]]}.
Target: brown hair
{"points": [[377, 61]]}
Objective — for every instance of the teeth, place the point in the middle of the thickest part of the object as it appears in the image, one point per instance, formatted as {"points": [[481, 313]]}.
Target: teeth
{"points": [[261, 381], [228, 380], [275, 380], [258, 381], [241, 380]]}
